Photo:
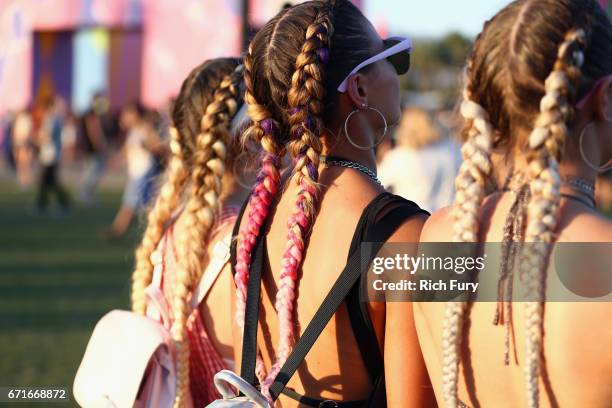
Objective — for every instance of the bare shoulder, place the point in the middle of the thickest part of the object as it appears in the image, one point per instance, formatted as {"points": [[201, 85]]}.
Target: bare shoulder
{"points": [[410, 230], [587, 227], [350, 193], [438, 227]]}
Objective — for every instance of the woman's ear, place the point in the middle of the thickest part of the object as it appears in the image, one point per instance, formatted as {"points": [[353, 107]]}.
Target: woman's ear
{"points": [[356, 90], [603, 101]]}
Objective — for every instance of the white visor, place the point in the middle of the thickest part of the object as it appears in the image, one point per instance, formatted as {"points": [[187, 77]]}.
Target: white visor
{"points": [[400, 45]]}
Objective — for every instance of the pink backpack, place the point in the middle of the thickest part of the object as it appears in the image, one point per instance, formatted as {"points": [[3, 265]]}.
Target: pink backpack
{"points": [[130, 359]]}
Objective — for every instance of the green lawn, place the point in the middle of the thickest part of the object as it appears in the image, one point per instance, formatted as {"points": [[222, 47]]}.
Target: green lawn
{"points": [[58, 276]]}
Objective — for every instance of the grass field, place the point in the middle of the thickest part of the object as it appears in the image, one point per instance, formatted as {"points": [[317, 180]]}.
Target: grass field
{"points": [[58, 276]]}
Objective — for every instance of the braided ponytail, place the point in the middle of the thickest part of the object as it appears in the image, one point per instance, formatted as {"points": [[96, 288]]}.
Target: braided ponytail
{"points": [[202, 208], [305, 98], [470, 192], [546, 144], [165, 204], [262, 130]]}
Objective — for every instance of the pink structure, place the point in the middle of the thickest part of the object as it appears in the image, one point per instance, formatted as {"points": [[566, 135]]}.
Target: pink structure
{"points": [[15, 55], [178, 35], [173, 37]]}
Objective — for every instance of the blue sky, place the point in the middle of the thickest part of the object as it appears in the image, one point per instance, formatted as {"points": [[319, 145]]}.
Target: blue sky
{"points": [[432, 18]]}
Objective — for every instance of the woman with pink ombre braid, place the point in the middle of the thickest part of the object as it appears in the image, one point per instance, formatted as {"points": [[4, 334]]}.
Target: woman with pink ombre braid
{"points": [[262, 132], [311, 214]]}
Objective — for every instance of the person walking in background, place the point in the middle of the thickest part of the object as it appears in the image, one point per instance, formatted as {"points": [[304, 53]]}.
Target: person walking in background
{"points": [[22, 143], [6, 140], [142, 144], [49, 156], [424, 163], [95, 132], [69, 138]]}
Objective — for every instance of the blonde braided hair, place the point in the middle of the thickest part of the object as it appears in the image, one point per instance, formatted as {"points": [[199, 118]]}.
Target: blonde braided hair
{"points": [[201, 150], [470, 192], [546, 144], [498, 101], [209, 166], [165, 204]]}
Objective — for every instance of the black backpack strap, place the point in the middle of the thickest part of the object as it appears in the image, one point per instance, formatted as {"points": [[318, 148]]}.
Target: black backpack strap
{"points": [[347, 280], [251, 317], [235, 233]]}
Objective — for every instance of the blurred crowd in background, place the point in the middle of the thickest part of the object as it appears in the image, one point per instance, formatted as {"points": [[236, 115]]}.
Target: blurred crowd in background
{"points": [[94, 65], [418, 161], [40, 143]]}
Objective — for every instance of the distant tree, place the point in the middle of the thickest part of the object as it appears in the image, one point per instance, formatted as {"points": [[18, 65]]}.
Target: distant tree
{"points": [[453, 49], [436, 66]]}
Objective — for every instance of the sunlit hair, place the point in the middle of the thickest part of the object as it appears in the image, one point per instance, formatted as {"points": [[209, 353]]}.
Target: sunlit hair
{"points": [[417, 129], [201, 149], [523, 77], [292, 69]]}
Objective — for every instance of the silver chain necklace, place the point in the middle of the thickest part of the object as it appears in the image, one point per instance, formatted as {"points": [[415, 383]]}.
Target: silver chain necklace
{"points": [[580, 184], [583, 186], [349, 164]]}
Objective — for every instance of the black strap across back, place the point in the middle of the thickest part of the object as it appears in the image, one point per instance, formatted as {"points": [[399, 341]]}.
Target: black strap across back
{"points": [[379, 220]]}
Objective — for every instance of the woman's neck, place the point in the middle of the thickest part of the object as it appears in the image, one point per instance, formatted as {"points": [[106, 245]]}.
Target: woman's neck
{"points": [[577, 170], [345, 150], [575, 177]]}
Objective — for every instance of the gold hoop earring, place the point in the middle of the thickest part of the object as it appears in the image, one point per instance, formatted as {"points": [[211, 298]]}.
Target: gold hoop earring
{"points": [[598, 169], [376, 143]]}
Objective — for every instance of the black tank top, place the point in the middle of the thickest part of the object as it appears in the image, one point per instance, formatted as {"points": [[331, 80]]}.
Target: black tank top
{"points": [[386, 210]]}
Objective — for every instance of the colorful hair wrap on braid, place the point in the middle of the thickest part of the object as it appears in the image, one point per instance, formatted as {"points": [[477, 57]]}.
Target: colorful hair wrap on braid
{"points": [[260, 201], [287, 79], [305, 99]]}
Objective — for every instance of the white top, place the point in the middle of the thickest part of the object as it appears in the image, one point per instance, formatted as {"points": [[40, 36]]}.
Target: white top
{"points": [[139, 159], [425, 176]]}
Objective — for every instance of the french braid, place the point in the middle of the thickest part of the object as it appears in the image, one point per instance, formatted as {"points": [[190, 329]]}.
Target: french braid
{"points": [[202, 207], [291, 73], [165, 204], [546, 144], [470, 192], [305, 99], [514, 93], [196, 165], [263, 130]]}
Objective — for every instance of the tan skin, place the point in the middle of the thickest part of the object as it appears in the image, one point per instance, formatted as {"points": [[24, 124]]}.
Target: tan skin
{"points": [[578, 359], [334, 368]]}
